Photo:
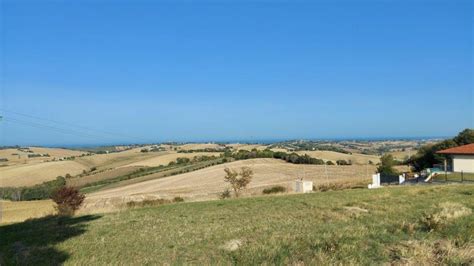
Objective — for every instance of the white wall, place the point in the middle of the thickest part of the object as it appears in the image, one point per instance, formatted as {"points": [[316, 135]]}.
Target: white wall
{"points": [[463, 163]]}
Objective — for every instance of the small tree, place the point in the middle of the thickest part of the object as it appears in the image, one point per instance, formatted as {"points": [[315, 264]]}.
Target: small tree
{"points": [[68, 200], [386, 165], [238, 183]]}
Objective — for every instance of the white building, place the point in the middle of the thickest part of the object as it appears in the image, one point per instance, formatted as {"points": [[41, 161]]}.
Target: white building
{"points": [[303, 186], [462, 156]]}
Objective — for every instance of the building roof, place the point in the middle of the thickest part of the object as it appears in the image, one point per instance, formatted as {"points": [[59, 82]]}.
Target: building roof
{"points": [[464, 149]]}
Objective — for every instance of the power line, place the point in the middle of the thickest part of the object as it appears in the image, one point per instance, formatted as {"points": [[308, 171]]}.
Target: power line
{"points": [[47, 127], [77, 126]]}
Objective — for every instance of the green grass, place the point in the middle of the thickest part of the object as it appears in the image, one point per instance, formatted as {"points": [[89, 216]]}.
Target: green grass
{"points": [[455, 177], [337, 227]]}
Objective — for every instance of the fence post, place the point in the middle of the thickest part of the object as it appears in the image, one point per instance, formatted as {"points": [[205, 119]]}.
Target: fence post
{"points": [[462, 176]]}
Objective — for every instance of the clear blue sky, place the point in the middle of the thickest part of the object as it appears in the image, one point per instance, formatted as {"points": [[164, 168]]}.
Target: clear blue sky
{"points": [[229, 70]]}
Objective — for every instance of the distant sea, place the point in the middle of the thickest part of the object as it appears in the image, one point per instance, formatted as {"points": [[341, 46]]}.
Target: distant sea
{"points": [[253, 141]]}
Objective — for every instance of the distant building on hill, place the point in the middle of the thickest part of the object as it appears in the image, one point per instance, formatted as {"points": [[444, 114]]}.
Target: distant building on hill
{"points": [[462, 157]]}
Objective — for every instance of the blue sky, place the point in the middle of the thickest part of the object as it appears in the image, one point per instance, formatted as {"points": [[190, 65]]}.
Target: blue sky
{"points": [[230, 70]]}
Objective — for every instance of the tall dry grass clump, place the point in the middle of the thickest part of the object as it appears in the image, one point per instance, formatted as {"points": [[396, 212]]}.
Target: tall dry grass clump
{"points": [[445, 212]]}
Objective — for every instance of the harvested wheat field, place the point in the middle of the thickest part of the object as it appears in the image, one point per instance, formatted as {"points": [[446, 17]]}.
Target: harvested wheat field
{"points": [[117, 159], [100, 176], [402, 155], [16, 156], [36, 173], [57, 152], [18, 211], [356, 158], [199, 146], [207, 183], [170, 157], [247, 147]]}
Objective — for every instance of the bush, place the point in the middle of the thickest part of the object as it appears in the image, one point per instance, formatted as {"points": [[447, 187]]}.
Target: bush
{"points": [[147, 203], [275, 189], [329, 163], [338, 186], [441, 216], [225, 194], [178, 199], [68, 200]]}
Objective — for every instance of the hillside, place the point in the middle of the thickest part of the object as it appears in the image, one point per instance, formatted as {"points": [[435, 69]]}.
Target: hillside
{"points": [[333, 156], [36, 173], [207, 183], [20, 156], [382, 226], [167, 158]]}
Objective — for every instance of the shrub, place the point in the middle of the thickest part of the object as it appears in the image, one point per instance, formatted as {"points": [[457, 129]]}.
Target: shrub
{"points": [[275, 189], [146, 203], [178, 199], [444, 213], [329, 163], [225, 194], [343, 162], [68, 200], [338, 186]]}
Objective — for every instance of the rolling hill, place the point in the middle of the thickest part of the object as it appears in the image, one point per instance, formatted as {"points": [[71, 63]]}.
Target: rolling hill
{"points": [[209, 182]]}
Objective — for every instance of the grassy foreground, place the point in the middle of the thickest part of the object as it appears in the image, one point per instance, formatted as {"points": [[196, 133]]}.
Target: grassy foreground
{"points": [[420, 224]]}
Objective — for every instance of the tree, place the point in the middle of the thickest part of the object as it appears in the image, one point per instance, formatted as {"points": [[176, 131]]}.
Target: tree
{"points": [[238, 183], [465, 137], [68, 200], [342, 162], [427, 156], [386, 165]]}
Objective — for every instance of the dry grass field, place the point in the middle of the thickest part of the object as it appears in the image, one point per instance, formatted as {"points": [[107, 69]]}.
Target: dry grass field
{"points": [[209, 182], [36, 173], [247, 147], [117, 159], [402, 155], [356, 158], [27, 172], [167, 158], [18, 211], [57, 152], [100, 176], [199, 146], [16, 156]]}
